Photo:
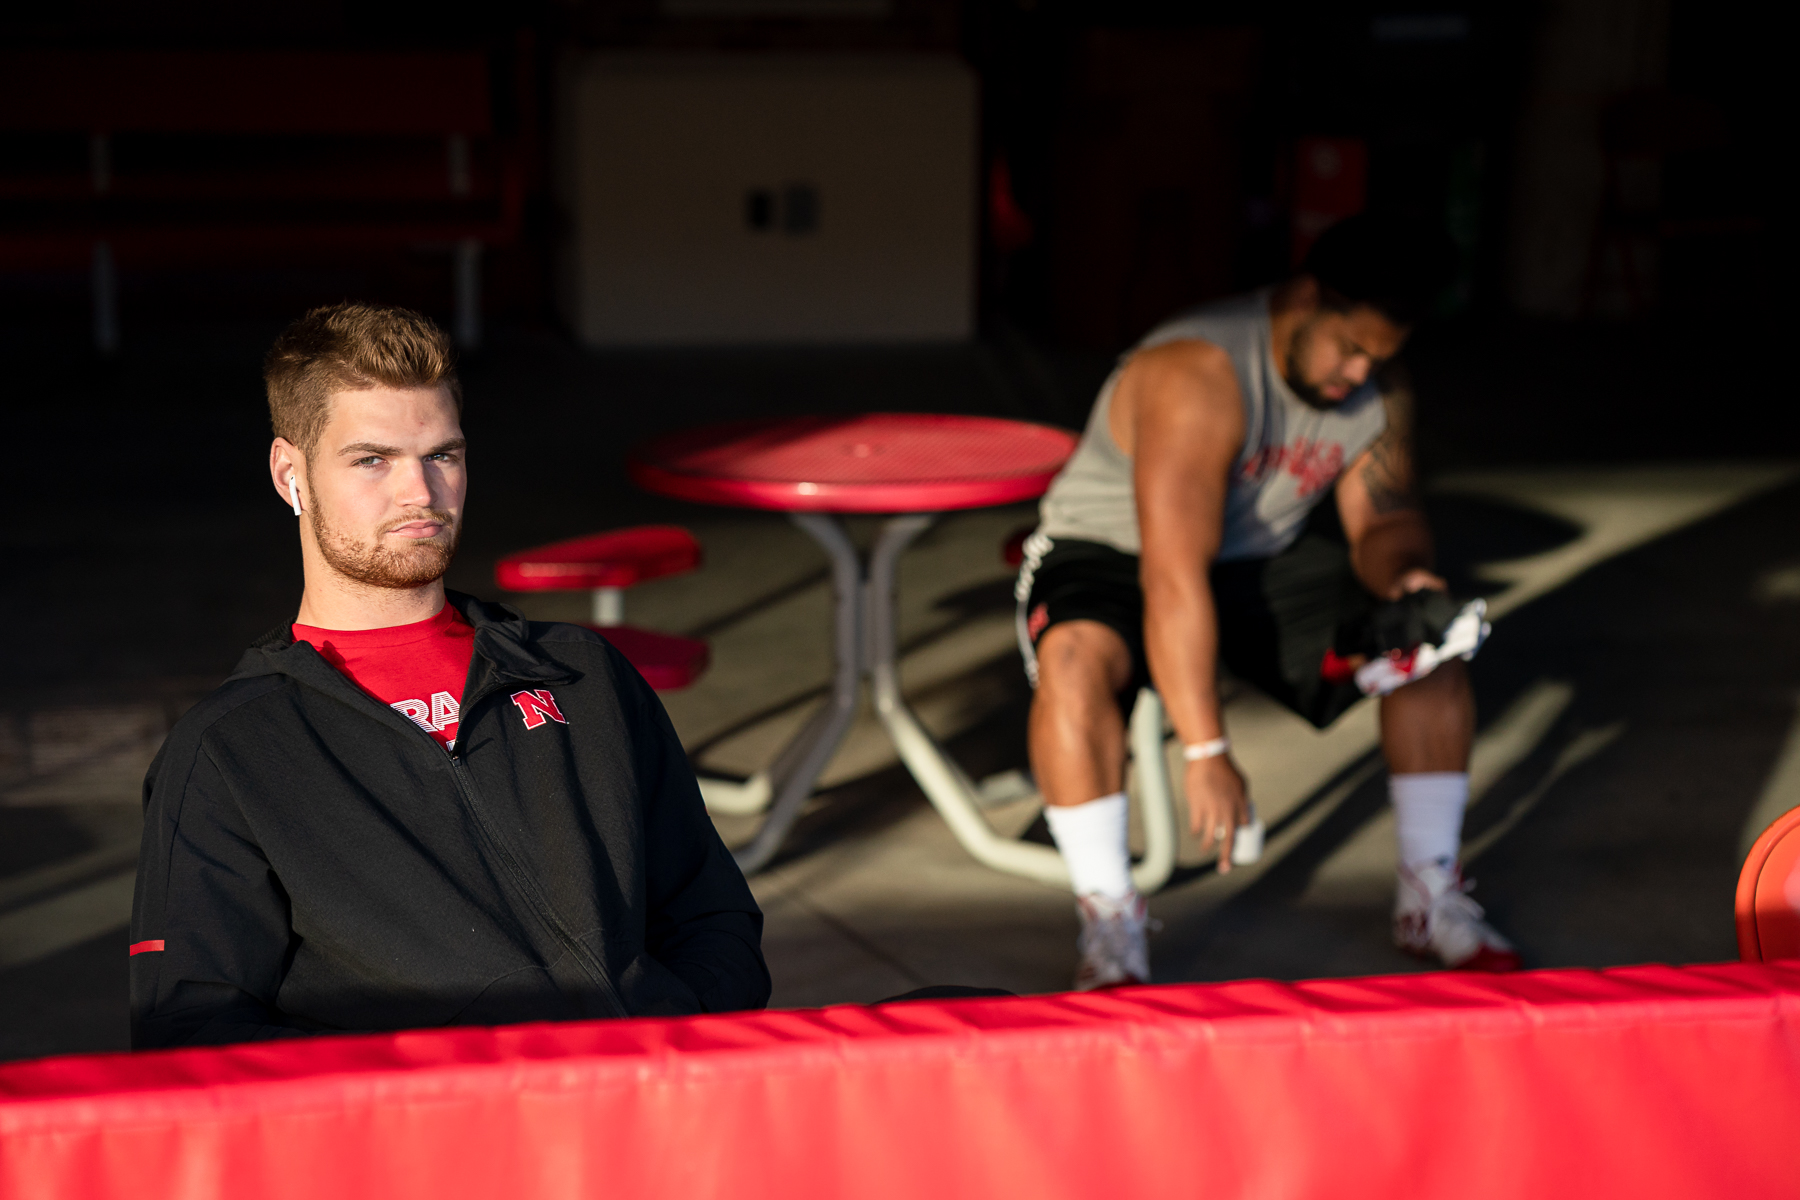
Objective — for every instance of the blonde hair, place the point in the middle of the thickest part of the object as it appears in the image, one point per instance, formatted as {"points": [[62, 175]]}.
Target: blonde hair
{"points": [[351, 348]]}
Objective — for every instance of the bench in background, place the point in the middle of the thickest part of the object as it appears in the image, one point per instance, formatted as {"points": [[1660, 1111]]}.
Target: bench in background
{"points": [[159, 159]]}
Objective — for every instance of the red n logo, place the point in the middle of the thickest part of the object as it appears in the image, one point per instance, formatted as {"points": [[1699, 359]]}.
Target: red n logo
{"points": [[536, 706]]}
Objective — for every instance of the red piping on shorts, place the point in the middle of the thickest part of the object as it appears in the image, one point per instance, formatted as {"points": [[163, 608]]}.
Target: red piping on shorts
{"points": [[1334, 668], [140, 947]]}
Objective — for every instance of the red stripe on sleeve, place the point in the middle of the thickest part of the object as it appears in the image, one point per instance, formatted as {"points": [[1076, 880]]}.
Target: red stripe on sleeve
{"points": [[140, 947]]}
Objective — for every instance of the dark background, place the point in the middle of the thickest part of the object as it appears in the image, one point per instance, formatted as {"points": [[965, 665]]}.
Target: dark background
{"points": [[1150, 146], [1135, 157]]}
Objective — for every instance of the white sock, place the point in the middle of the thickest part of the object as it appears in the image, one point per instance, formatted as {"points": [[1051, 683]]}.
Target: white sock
{"points": [[1428, 813], [1092, 838]]}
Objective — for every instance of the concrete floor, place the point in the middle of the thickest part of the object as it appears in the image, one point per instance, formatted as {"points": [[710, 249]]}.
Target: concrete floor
{"points": [[1638, 706], [1638, 699]]}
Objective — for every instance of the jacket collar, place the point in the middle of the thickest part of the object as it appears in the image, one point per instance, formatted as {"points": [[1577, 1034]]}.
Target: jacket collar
{"points": [[504, 649], [505, 652]]}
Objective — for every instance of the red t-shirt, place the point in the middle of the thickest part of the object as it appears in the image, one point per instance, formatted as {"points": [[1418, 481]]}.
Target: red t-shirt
{"points": [[418, 669]]}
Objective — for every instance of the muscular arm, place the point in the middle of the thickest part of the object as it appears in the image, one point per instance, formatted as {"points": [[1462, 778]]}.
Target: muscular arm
{"points": [[1186, 427], [1390, 543], [1179, 415]]}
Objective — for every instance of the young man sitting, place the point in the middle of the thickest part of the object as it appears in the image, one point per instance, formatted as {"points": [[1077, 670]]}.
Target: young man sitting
{"points": [[1190, 529], [410, 807]]}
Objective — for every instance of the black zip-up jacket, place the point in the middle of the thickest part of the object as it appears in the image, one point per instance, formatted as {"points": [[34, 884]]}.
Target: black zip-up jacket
{"points": [[313, 861]]}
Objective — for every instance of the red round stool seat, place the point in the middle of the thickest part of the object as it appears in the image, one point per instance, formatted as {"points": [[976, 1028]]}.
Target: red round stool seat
{"points": [[605, 563], [618, 558], [666, 661], [1012, 550]]}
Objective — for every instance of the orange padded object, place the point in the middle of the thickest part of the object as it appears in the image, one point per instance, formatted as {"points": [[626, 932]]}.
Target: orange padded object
{"points": [[1768, 893], [618, 558]]}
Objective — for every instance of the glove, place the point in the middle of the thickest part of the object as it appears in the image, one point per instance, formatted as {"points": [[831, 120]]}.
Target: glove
{"points": [[1415, 619], [1418, 633]]}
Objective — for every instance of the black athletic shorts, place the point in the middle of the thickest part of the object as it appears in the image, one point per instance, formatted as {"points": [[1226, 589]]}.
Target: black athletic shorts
{"points": [[1277, 616]]}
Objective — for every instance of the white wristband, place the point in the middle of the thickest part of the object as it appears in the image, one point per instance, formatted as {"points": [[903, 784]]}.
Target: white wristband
{"points": [[1200, 750]]}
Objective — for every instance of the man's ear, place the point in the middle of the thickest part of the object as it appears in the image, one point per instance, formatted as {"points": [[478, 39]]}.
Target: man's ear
{"points": [[1305, 292], [287, 471]]}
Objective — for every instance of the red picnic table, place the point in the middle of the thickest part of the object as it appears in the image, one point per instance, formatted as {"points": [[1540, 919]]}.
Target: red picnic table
{"points": [[914, 466]]}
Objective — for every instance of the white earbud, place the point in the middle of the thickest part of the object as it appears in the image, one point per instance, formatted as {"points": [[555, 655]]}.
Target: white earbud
{"points": [[294, 495]]}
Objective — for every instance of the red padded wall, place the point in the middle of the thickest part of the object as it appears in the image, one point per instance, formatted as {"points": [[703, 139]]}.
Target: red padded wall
{"points": [[1642, 1082]]}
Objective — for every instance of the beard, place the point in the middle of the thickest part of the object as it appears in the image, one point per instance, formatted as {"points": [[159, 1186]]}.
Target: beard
{"points": [[398, 567], [1294, 374]]}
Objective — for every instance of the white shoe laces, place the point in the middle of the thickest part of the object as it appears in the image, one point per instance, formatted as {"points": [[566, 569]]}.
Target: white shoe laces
{"points": [[1448, 921], [1457, 904], [1112, 941]]}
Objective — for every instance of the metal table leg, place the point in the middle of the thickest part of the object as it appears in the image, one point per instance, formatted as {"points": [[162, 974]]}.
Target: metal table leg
{"points": [[1156, 794], [798, 766], [950, 791], [865, 640]]}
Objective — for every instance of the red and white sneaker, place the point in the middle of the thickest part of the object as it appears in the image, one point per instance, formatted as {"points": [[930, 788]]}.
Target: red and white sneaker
{"points": [[1435, 918], [1115, 951]]}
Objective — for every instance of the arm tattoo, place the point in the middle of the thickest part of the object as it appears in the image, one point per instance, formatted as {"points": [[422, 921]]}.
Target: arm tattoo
{"points": [[1388, 475]]}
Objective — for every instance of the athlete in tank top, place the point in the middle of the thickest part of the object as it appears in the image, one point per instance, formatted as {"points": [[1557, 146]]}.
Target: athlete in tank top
{"points": [[1293, 451], [1177, 538]]}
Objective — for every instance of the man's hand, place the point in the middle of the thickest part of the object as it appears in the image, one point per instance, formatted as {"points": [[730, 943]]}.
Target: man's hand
{"points": [[1217, 804], [1416, 580]]}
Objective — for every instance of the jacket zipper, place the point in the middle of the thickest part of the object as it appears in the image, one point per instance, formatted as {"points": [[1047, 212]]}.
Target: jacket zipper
{"points": [[509, 863], [528, 888]]}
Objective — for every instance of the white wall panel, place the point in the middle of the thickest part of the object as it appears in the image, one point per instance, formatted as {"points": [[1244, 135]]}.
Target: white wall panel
{"points": [[661, 154]]}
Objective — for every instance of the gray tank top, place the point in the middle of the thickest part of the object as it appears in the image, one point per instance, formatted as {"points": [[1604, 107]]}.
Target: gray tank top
{"points": [[1292, 452]]}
